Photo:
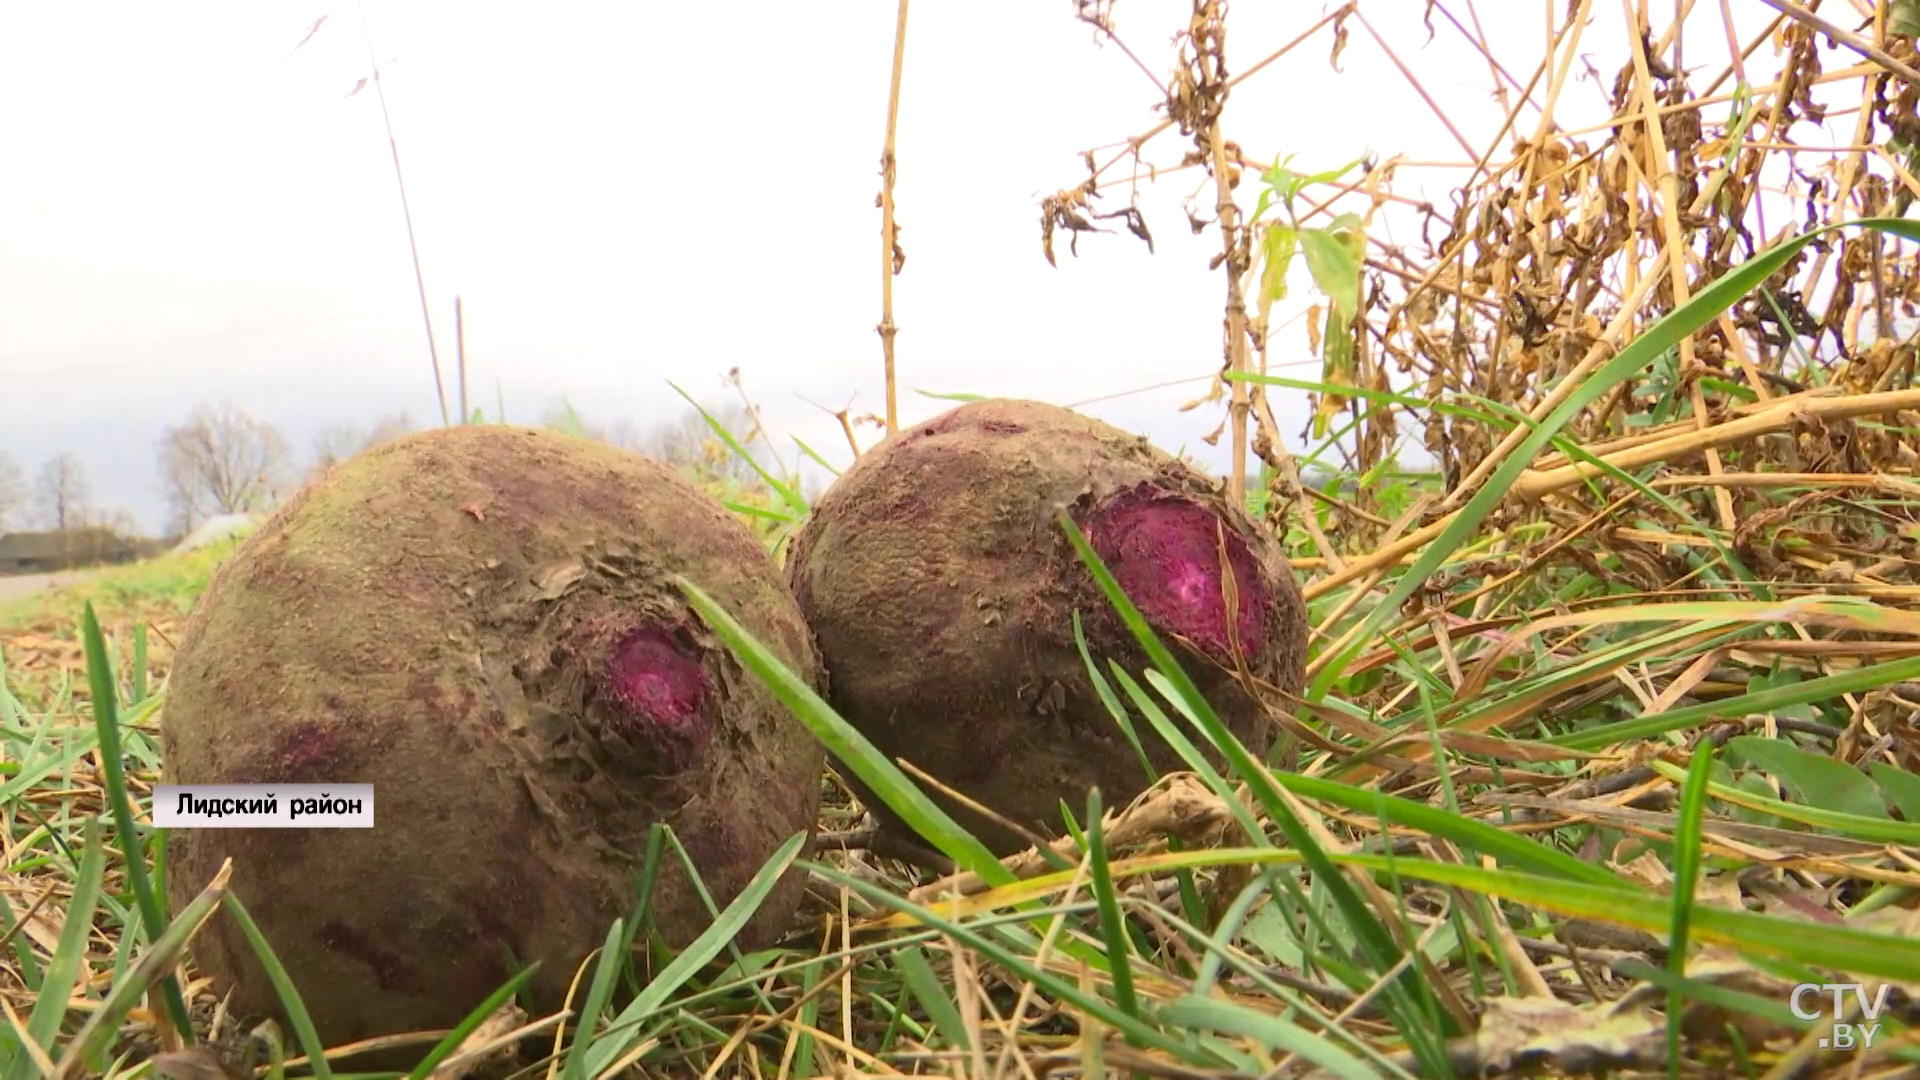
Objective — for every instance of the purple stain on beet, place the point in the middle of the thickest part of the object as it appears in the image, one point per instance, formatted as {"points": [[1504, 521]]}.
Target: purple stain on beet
{"points": [[660, 688], [1165, 552]]}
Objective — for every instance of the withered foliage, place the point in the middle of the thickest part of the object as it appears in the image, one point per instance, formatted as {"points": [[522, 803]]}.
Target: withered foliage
{"points": [[1561, 247]]}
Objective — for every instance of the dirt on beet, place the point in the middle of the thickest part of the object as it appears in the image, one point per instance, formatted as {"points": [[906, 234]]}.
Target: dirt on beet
{"points": [[942, 592], [481, 622]]}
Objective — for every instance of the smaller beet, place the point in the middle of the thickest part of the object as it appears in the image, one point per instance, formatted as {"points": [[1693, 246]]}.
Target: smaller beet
{"points": [[941, 591]]}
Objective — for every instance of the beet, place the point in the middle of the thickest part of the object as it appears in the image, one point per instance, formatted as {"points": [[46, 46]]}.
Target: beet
{"points": [[941, 590], [480, 621]]}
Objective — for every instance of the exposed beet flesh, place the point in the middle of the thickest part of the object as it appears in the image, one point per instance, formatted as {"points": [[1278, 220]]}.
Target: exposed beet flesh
{"points": [[941, 590], [661, 689], [1165, 552], [481, 621]]}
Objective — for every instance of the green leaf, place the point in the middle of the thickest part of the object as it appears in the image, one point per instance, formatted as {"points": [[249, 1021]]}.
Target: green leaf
{"points": [[1277, 244], [1476, 836], [1062, 988], [1274, 1033], [1377, 944], [1903, 18], [814, 454], [622, 1032], [1814, 779], [1902, 788], [933, 996], [1826, 687], [1335, 269]]}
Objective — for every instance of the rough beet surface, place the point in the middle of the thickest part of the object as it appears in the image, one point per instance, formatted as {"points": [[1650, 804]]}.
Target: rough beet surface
{"points": [[480, 621], [942, 590]]}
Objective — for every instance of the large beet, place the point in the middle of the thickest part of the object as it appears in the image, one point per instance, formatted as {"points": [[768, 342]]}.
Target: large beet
{"points": [[480, 622], [941, 591]]}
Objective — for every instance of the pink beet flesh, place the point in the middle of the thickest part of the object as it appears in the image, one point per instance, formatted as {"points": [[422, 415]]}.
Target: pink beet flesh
{"points": [[662, 690], [1165, 552]]}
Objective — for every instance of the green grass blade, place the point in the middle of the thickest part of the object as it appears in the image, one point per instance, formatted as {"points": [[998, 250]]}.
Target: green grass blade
{"points": [[784, 490], [1478, 836], [1053, 985], [1113, 925], [296, 1009], [95, 1035], [1851, 826], [1687, 863], [932, 995], [759, 512], [624, 1029], [1825, 687], [849, 746], [449, 1043], [815, 455], [139, 687], [599, 992], [1114, 708], [106, 720], [1381, 949], [1664, 333], [1272, 1032], [63, 972], [1858, 952]]}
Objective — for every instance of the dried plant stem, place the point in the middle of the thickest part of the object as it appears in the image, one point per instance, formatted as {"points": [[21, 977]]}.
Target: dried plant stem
{"points": [[1845, 37], [1602, 350], [1667, 192], [1782, 415], [1413, 81], [890, 259], [426, 317], [460, 354], [1132, 146], [1209, 20]]}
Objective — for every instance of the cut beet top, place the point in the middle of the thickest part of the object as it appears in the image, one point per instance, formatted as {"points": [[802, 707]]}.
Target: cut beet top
{"points": [[481, 622], [942, 590]]}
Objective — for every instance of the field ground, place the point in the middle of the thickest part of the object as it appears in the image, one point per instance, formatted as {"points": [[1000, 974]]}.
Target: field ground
{"points": [[1610, 943], [18, 586]]}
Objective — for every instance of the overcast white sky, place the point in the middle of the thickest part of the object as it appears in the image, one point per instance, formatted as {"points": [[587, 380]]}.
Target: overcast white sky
{"points": [[628, 193]]}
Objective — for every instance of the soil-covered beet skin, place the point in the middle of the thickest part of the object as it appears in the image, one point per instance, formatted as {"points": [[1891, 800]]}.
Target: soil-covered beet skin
{"points": [[941, 591], [481, 622]]}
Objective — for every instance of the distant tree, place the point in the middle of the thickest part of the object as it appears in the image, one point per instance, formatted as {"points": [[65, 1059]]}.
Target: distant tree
{"points": [[687, 442], [562, 416], [221, 461], [13, 491], [339, 442], [120, 522], [62, 498], [691, 443]]}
